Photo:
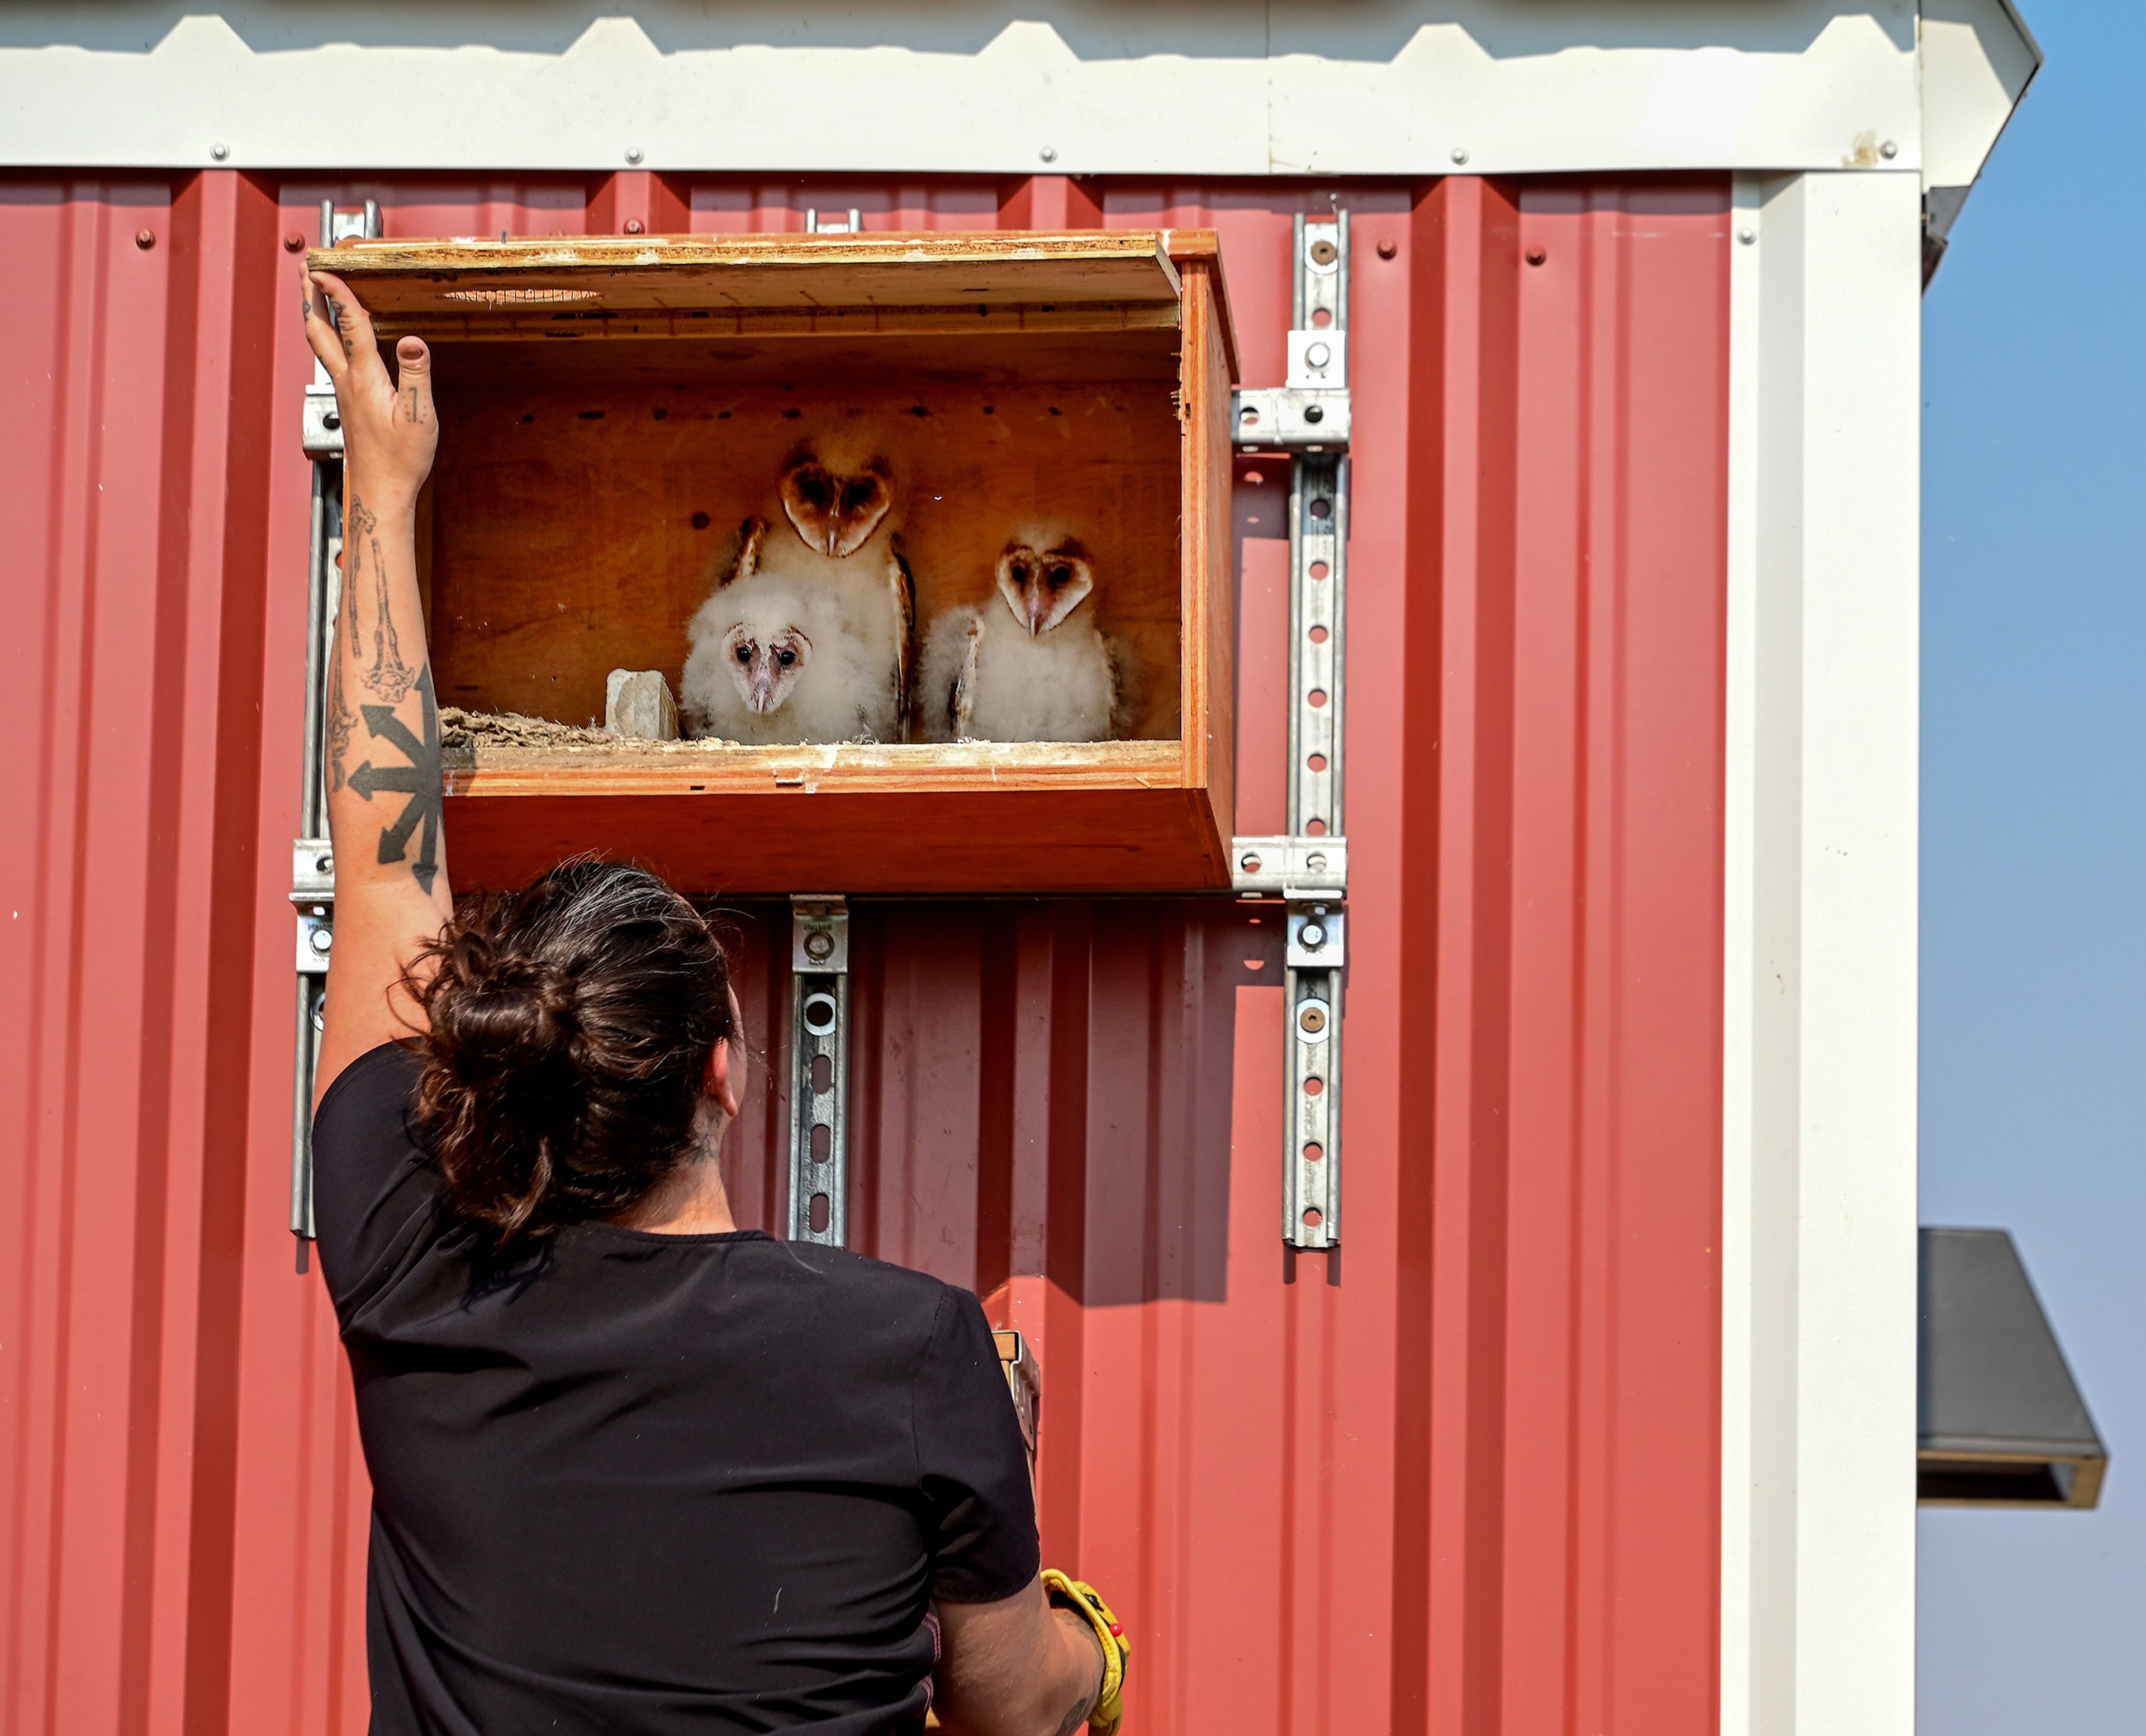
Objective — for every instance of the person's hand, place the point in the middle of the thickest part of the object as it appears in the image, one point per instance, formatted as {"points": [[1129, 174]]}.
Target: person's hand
{"points": [[390, 430]]}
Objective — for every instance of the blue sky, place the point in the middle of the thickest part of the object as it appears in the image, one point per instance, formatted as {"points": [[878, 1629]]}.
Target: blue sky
{"points": [[2033, 1037]]}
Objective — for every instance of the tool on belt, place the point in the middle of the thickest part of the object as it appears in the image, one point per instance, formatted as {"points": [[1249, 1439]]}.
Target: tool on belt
{"points": [[1085, 1601]]}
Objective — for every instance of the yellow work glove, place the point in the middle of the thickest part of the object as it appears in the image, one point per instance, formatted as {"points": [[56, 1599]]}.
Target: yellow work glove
{"points": [[1078, 1595]]}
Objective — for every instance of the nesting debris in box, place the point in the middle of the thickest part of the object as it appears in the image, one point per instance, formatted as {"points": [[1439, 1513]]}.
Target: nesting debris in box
{"points": [[463, 735], [471, 739]]}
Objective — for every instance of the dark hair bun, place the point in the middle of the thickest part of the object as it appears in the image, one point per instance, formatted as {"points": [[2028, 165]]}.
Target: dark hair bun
{"points": [[571, 1026], [501, 1012]]}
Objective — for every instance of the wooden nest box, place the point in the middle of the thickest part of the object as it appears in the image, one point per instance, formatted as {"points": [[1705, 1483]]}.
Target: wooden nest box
{"points": [[613, 408]]}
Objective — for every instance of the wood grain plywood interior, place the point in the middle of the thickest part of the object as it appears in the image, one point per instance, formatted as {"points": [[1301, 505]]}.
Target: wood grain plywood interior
{"points": [[586, 497]]}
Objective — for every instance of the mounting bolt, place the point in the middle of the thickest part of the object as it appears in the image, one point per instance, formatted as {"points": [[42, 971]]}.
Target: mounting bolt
{"points": [[1317, 354], [633, 153], [324, 865], [1888, 150], [819, 945], [321, 939], [1387, 249], [1747, 235], [1537, 255], [1460, 153], [145, 239], [633, 226], [219, 150], [1312, 936], [294, 242], [1048, 153]]}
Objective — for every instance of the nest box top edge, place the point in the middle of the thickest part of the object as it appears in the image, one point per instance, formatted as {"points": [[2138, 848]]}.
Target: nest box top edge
{"points": [[889, 268]]}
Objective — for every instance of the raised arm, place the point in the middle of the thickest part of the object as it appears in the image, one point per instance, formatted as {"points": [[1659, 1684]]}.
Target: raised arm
{"points": [[381, 738]]}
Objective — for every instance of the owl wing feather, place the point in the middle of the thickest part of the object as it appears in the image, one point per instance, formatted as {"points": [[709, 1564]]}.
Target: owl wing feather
{"points": [[962, 700], [901, 585], [742, 560], [1128, 687]]}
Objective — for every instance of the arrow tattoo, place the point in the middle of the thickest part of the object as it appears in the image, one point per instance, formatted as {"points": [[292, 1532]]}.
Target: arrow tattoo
{"points": [[419, 780]]}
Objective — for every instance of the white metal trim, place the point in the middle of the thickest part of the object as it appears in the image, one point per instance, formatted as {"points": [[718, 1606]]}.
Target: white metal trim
{"points": [[1820, 1049], [1739, 1488], [1296, 87], [1978, 57]]}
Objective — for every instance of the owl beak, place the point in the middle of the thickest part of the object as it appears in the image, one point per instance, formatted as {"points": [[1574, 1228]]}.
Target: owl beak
{"points": [[1039, 611], [762, 696]]}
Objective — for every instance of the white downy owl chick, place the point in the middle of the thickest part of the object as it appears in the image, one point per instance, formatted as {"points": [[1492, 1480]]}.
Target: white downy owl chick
{"points": [[837, 493], [1036, 670], [778, 658]]}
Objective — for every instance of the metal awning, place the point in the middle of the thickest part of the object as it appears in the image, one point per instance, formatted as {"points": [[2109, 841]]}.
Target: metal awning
{"points": [[2000, 1420]]}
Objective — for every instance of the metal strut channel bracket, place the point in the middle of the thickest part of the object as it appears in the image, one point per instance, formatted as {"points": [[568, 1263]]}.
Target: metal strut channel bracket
{"points": [[312, 868], [1310, 413], [819, 1070], [1309, 865]]}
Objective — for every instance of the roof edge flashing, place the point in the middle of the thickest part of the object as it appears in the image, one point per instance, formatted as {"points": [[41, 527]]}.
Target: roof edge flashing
{"points": [[2000, 1421], [1976, 59]]}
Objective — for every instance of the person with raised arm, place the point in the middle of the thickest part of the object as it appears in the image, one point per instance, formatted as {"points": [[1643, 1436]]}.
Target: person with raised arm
{"points": [[636, 1470]]}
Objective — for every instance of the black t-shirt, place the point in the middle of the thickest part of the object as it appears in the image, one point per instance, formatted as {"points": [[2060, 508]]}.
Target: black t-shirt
{"points": [[652, 1483]]}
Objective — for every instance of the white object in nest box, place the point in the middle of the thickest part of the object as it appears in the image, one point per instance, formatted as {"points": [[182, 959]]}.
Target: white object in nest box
{"points": [[638, 703]]}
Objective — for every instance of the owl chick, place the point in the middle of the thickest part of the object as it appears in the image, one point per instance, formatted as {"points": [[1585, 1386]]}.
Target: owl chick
{"points": [[837, 493], [1045, 675], [778, 657]]}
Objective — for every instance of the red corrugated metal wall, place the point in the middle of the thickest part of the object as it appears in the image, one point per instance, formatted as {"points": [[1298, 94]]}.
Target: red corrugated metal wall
{"points": [[1463, 1479]]}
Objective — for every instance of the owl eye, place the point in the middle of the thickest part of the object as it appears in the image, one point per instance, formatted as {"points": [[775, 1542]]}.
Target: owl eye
{"points": [[786, 657], [1061, 575], [1022, 572], [815, 488], [859, 494], [744, 654]]}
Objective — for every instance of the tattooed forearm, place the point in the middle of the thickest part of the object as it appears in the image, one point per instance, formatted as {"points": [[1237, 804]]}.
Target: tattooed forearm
{"points": [[390, 677], [418, 780], [390, 680], [341, 722], [361, 522]]}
